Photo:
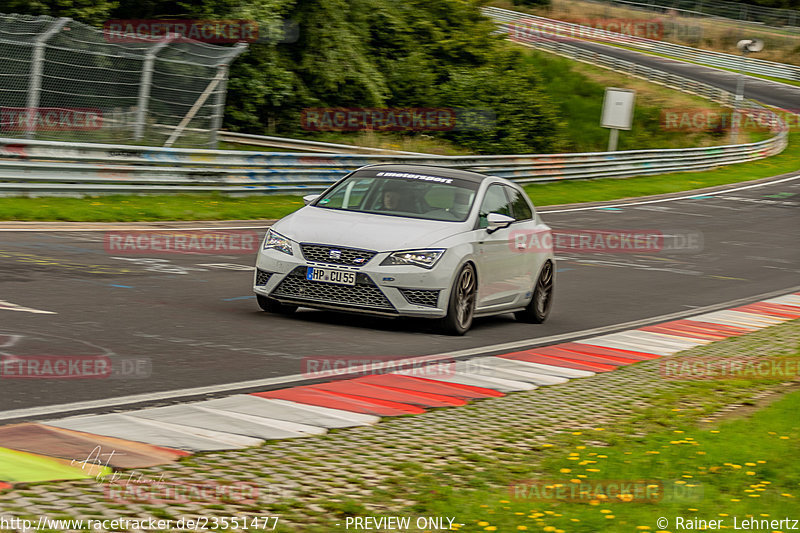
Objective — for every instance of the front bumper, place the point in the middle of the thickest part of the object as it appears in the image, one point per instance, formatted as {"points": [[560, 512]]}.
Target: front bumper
{"points": [[379, 290]]}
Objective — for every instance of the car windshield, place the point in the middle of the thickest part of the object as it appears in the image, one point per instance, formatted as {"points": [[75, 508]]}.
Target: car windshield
{"points": [[405, 194]]}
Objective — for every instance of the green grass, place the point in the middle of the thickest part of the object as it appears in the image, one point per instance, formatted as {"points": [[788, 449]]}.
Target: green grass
{"points": [[124, 208], [710, 473]]}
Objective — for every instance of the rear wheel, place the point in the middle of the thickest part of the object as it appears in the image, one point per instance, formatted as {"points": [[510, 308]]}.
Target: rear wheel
{"points": [[461, 307], [270, 305], [537, 310]]}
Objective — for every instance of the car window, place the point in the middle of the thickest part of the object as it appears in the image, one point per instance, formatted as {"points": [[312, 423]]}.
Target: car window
{"points": [[404, 194], [519, 204], [350, 196], [495, 201]]}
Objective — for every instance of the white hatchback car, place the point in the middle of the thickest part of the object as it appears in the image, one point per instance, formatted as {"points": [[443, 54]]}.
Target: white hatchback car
{"points": [[411, 240]]}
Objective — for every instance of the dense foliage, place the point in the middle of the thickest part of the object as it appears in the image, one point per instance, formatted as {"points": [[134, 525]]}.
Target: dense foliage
{"points": [[361, 53]]}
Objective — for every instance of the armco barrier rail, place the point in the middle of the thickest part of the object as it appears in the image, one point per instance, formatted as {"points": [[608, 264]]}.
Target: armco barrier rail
{"points": [[46, 168], [302, 145], [522, 26], [32, 167]]}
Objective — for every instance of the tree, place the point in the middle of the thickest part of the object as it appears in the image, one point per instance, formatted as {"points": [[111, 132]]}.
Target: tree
{"points": [[93, 12]]}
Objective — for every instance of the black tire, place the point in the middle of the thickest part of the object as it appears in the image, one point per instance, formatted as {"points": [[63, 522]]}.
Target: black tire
{"points": [[461, 307], [538, 309], [271, 305]]}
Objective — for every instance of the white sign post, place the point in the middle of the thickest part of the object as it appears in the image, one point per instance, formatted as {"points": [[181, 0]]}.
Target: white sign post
{"points": [[617, 113], [746, 46]]}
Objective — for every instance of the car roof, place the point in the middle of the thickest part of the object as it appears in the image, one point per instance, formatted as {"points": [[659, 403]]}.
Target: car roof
{"points": [[431, 170]]}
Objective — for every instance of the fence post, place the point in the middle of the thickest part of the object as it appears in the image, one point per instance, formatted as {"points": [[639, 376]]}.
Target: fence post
{"points": [[219, 106], [144, 88], [35, 85], [210, 88]]}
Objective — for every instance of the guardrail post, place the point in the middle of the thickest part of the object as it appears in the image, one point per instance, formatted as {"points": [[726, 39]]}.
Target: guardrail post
{"points": [[144, 88], [35, 85]]}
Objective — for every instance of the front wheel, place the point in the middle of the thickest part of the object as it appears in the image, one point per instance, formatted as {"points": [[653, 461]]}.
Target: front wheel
{"points": [[537, 310], [270, 305], [461, 307]]}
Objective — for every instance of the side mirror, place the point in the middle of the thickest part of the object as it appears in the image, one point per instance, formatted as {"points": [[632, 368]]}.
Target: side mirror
{"points": [[310, 198], [497, 221]]}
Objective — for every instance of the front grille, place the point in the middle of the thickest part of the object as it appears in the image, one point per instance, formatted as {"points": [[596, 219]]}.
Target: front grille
{"points": [[428, 298], [341, 256], [262, 277], [364, 294]]}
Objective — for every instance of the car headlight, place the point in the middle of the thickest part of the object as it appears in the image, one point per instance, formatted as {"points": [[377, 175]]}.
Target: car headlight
{"points": [[420, 258], [276, 241]]}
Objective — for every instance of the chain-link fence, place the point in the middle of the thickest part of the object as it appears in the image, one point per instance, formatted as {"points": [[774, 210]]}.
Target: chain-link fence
{"points": [[63, 80]]}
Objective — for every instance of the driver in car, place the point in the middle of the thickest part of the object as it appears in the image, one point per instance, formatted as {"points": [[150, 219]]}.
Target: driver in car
{"points": [[396, 199], [391, 200]]}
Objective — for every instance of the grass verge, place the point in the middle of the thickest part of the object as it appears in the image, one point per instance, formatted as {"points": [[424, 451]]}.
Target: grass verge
{"points": [[129, 208], [697, 474]]}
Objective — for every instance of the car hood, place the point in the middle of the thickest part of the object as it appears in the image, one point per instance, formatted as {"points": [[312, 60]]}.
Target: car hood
{"points": [[367, 231]]}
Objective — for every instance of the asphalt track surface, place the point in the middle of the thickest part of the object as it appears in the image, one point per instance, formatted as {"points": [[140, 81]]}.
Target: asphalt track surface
{"points": [[780, 95], [190, 320]]}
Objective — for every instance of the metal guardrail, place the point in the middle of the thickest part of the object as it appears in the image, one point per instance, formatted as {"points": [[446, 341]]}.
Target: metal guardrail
{"points": [[302, 145], [48, 167], [525, 27]]}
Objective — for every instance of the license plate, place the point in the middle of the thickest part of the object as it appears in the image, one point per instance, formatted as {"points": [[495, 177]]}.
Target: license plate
{"points": [[327, 275]]}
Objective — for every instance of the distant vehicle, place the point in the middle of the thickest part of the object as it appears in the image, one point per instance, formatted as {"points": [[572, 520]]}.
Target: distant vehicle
{"points": [[411, 240]]}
